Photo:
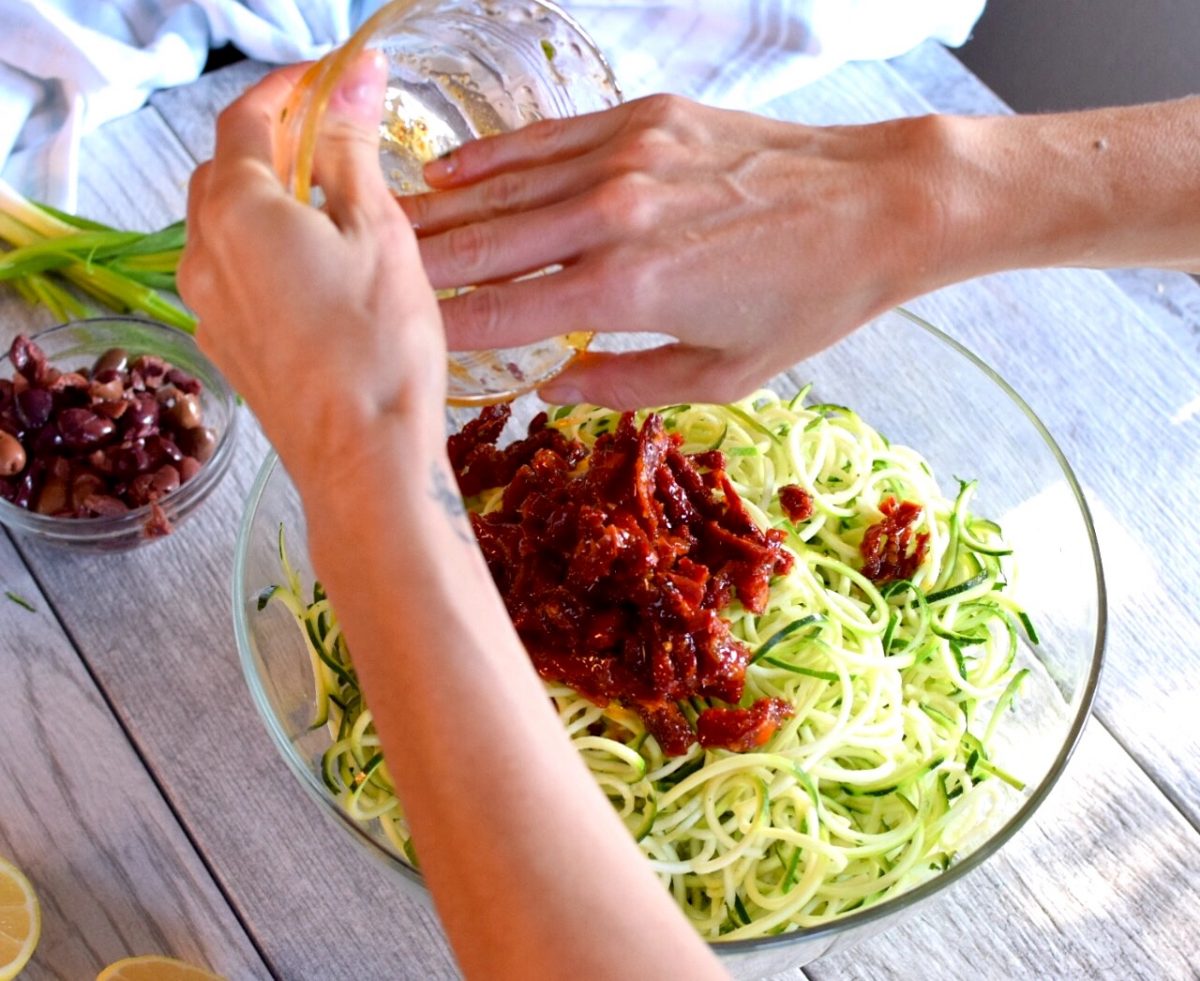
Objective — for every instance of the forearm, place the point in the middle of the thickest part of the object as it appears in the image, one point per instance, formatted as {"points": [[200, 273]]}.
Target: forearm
{"points": [[530, 868], [1100, 189]]}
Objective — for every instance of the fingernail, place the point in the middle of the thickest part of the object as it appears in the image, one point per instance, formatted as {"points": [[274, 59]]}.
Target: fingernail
{"points": [[360, 92], [441, 167], [558, 392]]}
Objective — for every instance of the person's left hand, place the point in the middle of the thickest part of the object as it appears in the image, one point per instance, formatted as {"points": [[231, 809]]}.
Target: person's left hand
{"points": [[323, 320]]}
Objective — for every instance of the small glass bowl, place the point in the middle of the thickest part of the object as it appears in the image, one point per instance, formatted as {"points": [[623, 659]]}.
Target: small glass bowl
{"points": [[78, 344], [920, 388], [458, 70]]}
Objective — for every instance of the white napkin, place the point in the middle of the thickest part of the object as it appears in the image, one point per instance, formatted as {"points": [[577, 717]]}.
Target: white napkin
{"points": [[68, 66]]}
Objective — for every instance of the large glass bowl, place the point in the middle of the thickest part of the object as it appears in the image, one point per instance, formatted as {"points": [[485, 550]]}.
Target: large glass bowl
{"points": [[917, 387]]}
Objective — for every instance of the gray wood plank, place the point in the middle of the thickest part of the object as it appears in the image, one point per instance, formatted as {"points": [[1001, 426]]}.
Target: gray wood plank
{"points": [[114, 872], [154, 626]]}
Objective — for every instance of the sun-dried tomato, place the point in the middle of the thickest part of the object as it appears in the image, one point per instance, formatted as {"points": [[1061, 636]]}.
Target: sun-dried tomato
{"points": [[615, 573], [797, 503], [885, 546], [742, 729]]}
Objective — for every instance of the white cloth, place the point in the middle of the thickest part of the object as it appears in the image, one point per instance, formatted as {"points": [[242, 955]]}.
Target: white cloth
{"points": [[67, 66]]}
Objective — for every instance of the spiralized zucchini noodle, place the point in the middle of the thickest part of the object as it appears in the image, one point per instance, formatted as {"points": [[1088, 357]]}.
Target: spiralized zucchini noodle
{"points": [[897, 688]]}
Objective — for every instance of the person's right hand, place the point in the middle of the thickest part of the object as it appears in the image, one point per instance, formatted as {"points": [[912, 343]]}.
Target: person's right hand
{"points": [[751, 241]]}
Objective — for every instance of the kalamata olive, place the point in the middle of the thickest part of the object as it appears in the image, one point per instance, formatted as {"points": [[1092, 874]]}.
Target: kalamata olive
{"points": [[148, 371], [100, 461], [106, 386], [112, 409], [54, 495], [26, 357], [158, 524], [198, 442], [31, 483], [6, 393], [128, 461], [189, 466], [82, 428], [34, 406], [162, 449], [67, 379], [114, 359], [105, 505], [182, 409], [142, 414], [83, 485], [138, 490], [151, 487], [183, 381], [47, 443], [8, 488], [165, 480], [12, 455]]}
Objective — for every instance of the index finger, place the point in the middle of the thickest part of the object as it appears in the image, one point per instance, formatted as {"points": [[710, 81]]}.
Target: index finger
{"points": [[542, 142], [248, 127]]}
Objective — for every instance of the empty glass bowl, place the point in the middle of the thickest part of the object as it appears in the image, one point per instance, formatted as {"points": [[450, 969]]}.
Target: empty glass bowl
{"points": [[76, 345], [461, 69], [917, 387]]}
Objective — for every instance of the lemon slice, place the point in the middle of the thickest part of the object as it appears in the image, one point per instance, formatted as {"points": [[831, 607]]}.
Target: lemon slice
{"points": [[154, 968], [20, 921]]}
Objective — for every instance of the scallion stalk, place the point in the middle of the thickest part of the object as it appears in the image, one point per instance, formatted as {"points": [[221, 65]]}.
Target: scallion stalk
{"points": [[125, 271]]}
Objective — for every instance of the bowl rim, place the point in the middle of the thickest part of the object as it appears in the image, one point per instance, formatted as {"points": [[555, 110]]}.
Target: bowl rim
{"points": [[907, 900], [102, 530]]}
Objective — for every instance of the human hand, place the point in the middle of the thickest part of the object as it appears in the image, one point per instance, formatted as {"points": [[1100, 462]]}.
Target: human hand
{"points": [[751, 241], [323, 320]]}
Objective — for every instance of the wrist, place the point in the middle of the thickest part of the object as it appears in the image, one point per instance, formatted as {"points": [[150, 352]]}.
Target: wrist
{"points": [[1076, 189], [343, 451]]}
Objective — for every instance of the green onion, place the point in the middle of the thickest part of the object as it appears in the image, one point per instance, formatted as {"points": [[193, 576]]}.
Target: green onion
{"points": [[20, 601], [123, 270]]}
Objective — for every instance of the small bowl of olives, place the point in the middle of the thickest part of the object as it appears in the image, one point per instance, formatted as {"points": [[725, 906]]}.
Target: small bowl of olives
{"points": [[112, 431]]}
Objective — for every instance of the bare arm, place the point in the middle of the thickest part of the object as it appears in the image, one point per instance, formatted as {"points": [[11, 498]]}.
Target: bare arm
{"points": [[755, 242], [531, 871], [1102, 189]]}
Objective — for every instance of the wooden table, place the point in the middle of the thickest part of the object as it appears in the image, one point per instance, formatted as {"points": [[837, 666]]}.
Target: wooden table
{"points": [[140, 792]]}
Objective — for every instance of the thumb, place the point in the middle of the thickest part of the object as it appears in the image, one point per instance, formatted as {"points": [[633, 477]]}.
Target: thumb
{"points": [[346, 163]]}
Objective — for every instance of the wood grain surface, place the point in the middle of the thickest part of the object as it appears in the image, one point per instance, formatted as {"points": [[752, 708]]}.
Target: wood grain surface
{"points": [[164, 756], [83, 818]]}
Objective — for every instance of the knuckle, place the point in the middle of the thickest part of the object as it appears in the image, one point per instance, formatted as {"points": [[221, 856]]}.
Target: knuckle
{"points": [[482, 313], [502, 193], [545, 134], [662, 111], [469, 248], [625, 203]]}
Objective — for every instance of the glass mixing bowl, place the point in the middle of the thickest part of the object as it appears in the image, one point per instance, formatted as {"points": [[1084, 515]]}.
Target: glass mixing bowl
{"points": [[916, 386], [458, 70]]}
